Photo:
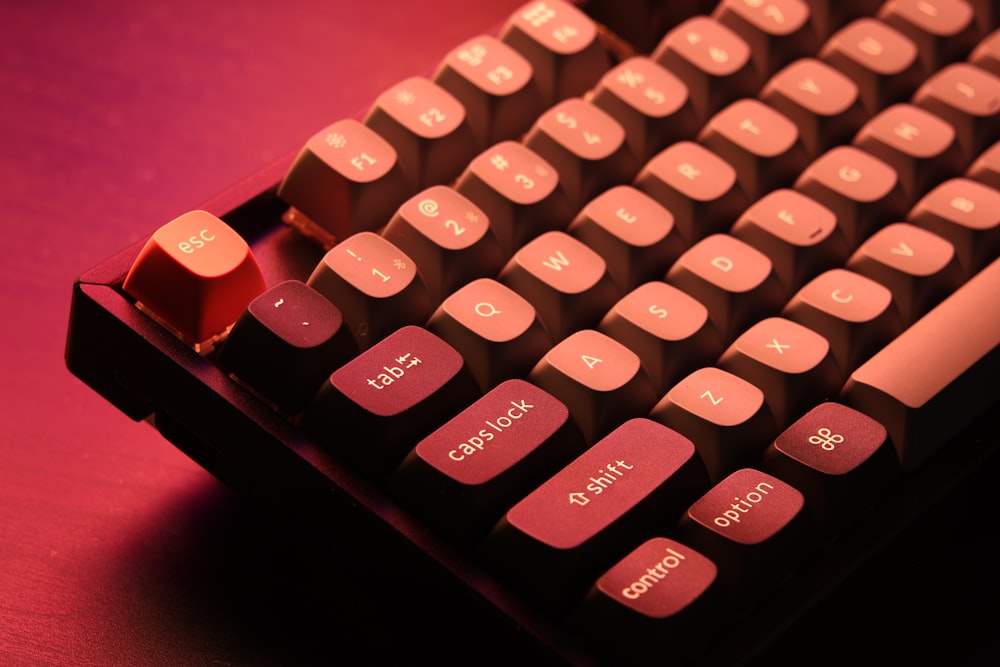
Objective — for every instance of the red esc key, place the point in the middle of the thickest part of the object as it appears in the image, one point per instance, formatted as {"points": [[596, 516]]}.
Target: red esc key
{"points": [[195, 275]]}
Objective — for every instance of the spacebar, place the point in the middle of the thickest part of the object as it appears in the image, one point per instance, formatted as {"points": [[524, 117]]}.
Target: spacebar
{"points": [[939, 375]]}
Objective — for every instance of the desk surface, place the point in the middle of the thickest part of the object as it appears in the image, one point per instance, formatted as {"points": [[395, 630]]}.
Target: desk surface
{"points": [[114, 547]]}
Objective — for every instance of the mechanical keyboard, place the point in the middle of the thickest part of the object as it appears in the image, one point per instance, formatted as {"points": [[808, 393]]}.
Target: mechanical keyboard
{"points": [[633, 332]]}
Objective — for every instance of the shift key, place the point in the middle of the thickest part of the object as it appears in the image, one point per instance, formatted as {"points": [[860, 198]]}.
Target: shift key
{"points": [[624, 489]]}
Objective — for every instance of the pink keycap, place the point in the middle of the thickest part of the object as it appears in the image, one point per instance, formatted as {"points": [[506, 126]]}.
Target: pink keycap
{"points": [[855, 314], [633, 233], [734, 280], [495, 85], [967, 214], [585, 145], [777, 31], [968, 98], [561, 43], [374, 284], [862, 191], [799, 235], [822, 102], [921, 148], [791, 364], [840, 459], [760, 143], [519, 192], [375, 408], [724, 415], [918, 267], [428, 128], [669, 330], [624, 488], [879, 58], [600, 380], [712, 59], [496, 330], [753, 526], [449, 238], [650, 103], [942, 30], [986, 168], [697, 186], [565, 280], [465, 474], [196, 275], [346, 179]]}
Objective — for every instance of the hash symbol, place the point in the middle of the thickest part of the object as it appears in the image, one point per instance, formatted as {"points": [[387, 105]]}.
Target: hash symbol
{"points": [[499, 162]]}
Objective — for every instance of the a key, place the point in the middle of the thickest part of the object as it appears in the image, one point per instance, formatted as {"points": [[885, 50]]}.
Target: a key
{"points": [[374, 284], [650, 102], [942, 30], [696, 185], [495, 85], [734, 280], [345, 179], [375, 408], [761, 145], [918, 267], [712, 60], [938, 375], [496, 330], [634, 234], [623, 489], [585, 145], [881, 60], [777, 31], [921, 148], [428, 128], [854, 313], [861, 190], [791, 364], [822, 102], [723, 414], [449, 238], [663, 595], [304, 337], [566, 281], [561, 43], [196, 275], [969, 99], [519, 192], [754, 527], [967, 214], [669, 330], [799, 235], [840, 459], [600, 380], [464, 475]]}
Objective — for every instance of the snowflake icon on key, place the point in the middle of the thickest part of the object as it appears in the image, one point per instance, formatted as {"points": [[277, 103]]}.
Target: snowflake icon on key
{"points": [[335, 140], [406, 97]]}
